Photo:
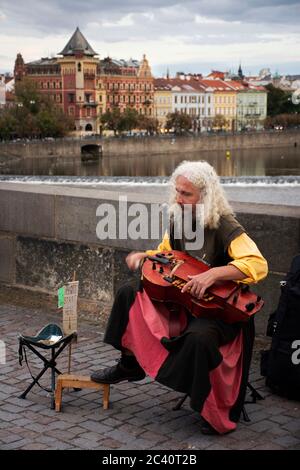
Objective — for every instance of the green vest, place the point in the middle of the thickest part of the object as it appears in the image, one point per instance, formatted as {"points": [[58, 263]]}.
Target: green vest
{"points": [[216, 241]]}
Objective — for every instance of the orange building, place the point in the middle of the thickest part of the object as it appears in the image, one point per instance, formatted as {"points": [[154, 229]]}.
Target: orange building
{"points": [[85, 86]]}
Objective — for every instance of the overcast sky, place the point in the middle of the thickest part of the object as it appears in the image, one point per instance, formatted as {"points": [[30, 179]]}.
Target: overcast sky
{"points": [[193, 36]]}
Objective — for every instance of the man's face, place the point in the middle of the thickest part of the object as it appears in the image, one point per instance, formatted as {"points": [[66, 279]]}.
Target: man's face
{"points": [[186, 192]]}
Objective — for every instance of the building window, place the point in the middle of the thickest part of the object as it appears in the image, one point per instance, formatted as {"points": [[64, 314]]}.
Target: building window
{"points": [[71, 97]]}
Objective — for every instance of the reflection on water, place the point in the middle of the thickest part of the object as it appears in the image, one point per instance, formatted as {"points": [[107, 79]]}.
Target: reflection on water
{"points": [[256, 162]]}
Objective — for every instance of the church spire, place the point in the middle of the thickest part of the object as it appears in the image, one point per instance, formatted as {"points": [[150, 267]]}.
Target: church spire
{"points": [[240, 72]]}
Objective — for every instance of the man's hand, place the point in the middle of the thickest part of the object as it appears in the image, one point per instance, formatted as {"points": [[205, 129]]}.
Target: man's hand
{"points": [[200, 282], [134, 259]]}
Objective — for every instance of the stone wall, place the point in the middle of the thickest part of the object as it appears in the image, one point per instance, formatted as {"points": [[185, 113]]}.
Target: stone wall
{"points": [[48, 232], [153, 145]]}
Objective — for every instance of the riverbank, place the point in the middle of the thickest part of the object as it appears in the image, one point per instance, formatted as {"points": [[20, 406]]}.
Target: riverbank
{"points": [[152, 145]]}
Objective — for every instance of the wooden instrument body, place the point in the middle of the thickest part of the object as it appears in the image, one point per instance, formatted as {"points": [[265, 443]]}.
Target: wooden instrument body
{"points": [[227, 300]]}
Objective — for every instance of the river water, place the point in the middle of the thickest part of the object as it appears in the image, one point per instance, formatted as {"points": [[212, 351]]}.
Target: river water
{"points": [[248, 162]]}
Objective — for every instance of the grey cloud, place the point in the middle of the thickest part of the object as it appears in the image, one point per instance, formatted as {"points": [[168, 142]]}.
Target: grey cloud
{"points": [[249, 21], [57, 16]]}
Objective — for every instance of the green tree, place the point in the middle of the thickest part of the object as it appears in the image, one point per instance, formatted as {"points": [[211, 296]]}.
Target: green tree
{"points": [[28, 96], [219, 121], [148, 124], [128, 120], [8, 124], [111, 119], [280, 102], [33, 115], [285, 121], [179, 122]]}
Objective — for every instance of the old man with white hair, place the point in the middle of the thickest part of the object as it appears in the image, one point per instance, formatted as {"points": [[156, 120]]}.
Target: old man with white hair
{"points": [[205, 358]]}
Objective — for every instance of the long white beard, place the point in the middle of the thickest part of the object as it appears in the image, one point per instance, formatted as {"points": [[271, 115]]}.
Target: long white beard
{"points": [[176, 211], [189, 225]]}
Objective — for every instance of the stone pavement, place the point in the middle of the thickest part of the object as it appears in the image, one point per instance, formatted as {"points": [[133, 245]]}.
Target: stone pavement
{"points": [[140, 414]]}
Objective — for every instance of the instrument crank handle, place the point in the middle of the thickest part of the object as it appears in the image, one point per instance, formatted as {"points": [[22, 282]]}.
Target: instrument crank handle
{"points": [[160, 260]]}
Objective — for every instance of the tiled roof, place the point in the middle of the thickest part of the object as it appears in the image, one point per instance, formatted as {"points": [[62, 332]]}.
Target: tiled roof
{"points": [[192, 85], [217, 85], [216, 74]]}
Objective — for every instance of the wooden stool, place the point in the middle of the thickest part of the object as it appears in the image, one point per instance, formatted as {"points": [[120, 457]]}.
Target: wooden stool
{"points": [[78, 381]]}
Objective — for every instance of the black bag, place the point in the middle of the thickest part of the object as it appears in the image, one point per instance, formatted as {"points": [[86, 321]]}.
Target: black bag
{"points": [[281, 363]]}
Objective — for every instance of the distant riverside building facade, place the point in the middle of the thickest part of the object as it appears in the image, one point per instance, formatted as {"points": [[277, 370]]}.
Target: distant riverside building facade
{"points": [[186, 96], [251, 107], [7, 84], [85, 86], [128, 84], [211, 102]]}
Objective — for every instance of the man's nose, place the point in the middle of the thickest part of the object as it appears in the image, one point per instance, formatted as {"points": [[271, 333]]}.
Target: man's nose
{"points": [[179, 199]]}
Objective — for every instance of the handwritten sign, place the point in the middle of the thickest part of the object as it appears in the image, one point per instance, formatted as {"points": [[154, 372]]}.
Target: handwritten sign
{"points": [[70, 307]]}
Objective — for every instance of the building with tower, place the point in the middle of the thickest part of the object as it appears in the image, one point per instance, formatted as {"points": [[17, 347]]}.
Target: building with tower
{"points": [[85, 86]]}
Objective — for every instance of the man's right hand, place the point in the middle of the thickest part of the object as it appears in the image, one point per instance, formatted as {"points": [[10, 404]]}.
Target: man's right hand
{"points": [[134, 259]]}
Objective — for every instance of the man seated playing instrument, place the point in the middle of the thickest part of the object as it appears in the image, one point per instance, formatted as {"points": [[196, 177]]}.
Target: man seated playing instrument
{"points": [[185, 361]]}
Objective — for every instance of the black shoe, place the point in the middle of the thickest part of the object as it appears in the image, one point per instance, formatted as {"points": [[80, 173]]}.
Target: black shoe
{"points": [[118, 373], [207, 429]]}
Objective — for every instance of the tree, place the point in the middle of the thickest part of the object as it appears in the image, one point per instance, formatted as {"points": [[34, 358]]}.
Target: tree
{"points": [[111, 119], [219, 121], [128, 120], [8, 124], [27, 95], [284, 121], [33, 115], [148, 123], [179, 122], [280, 102]]}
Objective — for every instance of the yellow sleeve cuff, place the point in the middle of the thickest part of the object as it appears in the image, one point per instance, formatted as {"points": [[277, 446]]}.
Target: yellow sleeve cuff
{"points": [[163, 246], [248, 259]]}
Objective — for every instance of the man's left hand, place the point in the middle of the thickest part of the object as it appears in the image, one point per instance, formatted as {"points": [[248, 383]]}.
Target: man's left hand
{"points": [[200, 282]]}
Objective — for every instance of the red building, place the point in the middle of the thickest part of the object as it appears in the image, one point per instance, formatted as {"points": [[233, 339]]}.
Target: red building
{"points": [[85, 86], [128, 84]]}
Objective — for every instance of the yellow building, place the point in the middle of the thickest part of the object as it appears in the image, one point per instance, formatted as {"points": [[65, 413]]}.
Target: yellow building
{"points": [[162, 101], [224, 97]]}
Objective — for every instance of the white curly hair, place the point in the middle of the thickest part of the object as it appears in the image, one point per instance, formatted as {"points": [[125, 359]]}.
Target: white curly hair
{"points": [[204, 177]]}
